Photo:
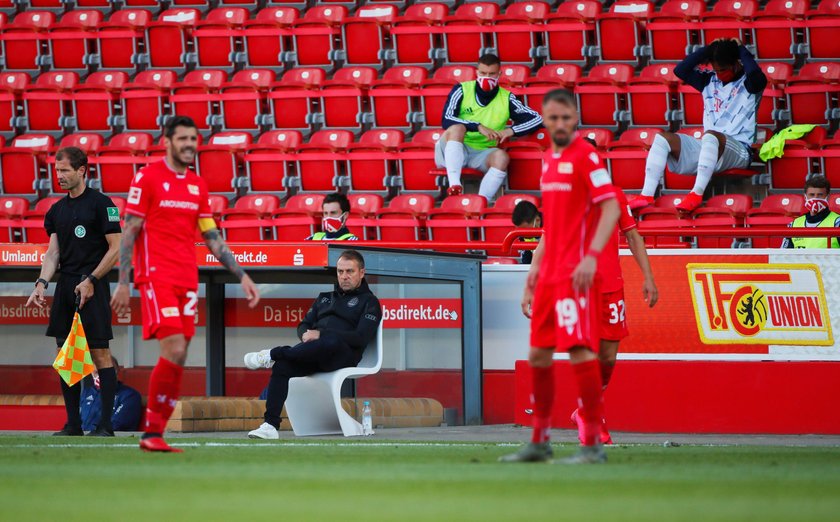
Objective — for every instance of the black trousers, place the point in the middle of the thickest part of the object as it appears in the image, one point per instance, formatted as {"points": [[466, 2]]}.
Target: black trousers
{"points": [[326, 354]]}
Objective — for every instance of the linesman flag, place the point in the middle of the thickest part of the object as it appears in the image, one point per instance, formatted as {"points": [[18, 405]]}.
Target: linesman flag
{"points": [[73, 362]]}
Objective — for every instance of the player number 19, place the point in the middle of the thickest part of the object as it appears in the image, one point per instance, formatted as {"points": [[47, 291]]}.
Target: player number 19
{"points": [[567, 313], [617, 312]]}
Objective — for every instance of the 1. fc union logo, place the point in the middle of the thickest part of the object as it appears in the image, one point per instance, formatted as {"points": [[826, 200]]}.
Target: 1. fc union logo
{"points": [[770, 304]]}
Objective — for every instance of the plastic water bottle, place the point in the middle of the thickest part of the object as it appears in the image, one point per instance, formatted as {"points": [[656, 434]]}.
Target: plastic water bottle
{"points": [[367, 419]]}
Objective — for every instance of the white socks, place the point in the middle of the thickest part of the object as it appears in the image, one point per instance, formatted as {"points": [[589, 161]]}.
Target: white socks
{"points": [[655, 164], [453, 155], [709, 146], [491, 182]]}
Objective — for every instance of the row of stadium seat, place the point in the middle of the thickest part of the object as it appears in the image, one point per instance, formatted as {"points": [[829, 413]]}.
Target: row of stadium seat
{"points": [[382, 161], [426, 34], [355, 98]]}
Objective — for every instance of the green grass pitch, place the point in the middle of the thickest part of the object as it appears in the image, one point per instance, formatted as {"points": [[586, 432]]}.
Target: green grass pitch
{"points": [[51, 479]]}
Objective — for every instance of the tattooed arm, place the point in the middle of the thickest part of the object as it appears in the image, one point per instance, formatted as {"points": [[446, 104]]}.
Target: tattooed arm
{"points": [[216, 245], [131, 228]]}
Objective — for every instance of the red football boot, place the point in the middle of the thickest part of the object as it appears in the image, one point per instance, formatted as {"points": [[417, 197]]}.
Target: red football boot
{"points": [[640, 202], [157, 444], [690, 203], [454, 190], [605, 434], [579, 422]]}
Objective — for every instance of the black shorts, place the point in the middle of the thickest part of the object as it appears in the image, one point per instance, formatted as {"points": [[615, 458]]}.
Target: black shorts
{"points": [[96, 314]]}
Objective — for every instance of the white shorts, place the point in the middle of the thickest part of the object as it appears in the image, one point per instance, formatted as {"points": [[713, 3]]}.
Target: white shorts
{"points": [[473, 158], [735, 156]]}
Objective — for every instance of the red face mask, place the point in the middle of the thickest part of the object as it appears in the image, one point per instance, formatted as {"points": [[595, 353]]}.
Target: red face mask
{"points": [[332, 224], [726, 75], [815, 205], [487, 84]]}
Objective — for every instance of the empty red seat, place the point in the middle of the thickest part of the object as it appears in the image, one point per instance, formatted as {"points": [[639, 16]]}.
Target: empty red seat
{"points": [[822, 28], [170, 37], [21, 38], [395, 98], [728, 19], [672, 30], [366, 32], [22, 162], [601, 94], [196, 96], [269, 35], [414, 33], [322, 160], [72, 39], [315, 34], [417, 158], [12, 210], [343, 98], [773, 98], [48, 102], [457, 220], [217, 38], [777, 27], [652, 96], [122, 37], [33, 220], [220, 162], [776, 210], [520, 30], [250, 219], [363, 210], [12, 85], [436, 90], [95, 100], [525, 167], [504, 205], [626, 158], [144, 99], [405, 218], [601, 138], [621, 30], [462, 41], [371, 163], [291, 97], [266, 163], [812, 94], [298, 218], [548, 78], [243, 100], [571, 31], [118, 162]]}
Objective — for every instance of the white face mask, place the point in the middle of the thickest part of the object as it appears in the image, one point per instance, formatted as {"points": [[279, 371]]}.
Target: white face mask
{"points": [[815, 205], [486, 83], [333, 224]]}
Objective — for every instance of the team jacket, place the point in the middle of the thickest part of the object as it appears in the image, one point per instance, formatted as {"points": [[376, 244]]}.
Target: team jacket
{"points": [[353, 316]]}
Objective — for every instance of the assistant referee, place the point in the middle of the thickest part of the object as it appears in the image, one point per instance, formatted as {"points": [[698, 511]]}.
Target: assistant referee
{"points": [[84, 232]]}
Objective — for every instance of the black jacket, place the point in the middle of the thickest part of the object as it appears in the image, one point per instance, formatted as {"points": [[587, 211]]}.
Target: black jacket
{"points": [[353, 316]]}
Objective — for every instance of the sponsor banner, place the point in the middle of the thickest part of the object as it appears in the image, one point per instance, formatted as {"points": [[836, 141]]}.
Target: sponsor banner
{"points": [[13, 310], [265, 254], [23, 254], [769, 304], [396, 313]]}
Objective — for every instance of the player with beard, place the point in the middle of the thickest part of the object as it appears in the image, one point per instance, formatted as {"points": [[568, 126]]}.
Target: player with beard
{"points": [[166, 202], [562, 291], [474, 119]]}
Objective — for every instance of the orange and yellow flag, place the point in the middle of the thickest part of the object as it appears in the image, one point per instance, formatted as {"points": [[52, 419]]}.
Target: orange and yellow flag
{"points": [[73, 362]]}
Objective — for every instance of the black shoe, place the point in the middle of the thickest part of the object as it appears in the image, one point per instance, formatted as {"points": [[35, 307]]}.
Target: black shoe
{"points": [[69, 431], [101, 432]]}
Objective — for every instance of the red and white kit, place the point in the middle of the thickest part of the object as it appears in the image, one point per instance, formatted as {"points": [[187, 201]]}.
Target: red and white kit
{"points": [[613, 321]]}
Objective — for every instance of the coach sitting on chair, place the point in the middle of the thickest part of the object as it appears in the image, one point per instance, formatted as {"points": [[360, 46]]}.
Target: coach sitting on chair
{"points": [[817, 190], [334, 334], [474, 117]]}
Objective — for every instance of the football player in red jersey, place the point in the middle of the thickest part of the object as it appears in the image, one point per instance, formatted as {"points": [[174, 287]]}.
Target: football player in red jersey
{"points": [[613, 317], [562, 292], [166, 202]]}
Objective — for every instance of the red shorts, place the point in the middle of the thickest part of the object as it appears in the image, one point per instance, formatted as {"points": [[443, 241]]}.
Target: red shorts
{"points": [[563, 318], [613, 321], [167, 310]]}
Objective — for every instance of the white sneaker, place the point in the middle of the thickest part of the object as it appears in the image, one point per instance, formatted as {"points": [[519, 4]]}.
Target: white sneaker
{"points": [[265, 431], [257, 360]]}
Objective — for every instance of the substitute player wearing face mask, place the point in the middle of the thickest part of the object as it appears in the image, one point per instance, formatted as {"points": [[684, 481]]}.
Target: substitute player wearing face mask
{"points": [[474, 118], [336, 208], [818, 214]]}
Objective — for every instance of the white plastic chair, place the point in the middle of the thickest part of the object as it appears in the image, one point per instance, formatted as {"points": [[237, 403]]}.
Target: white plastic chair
{"points": [[314, 402]]}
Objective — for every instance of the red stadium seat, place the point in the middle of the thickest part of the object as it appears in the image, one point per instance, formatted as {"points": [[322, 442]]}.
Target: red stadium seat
{"points": [[220, 161], [365, 34], [72, 40], [144, 99], [601, 137], [728, 19], [315, 35], [264, 169], [600, 95], [822, 28], [456, 220], [413, 35], [776, 210], [462, 42], [363, 211], [269, 35], [343, 98], [525, 167], [775, 31], [95, 100], [118, 162], [417, 158], [291, 97], [672, 30], [196, 95], [121, 39], [773, 99], [519, 31], [250, 218], [22, 48], [514, 77], [812, 94], [12, 210], [405, 218], [243, 100], [626, 158], [47, 101], [218, 204], [571, 31], [652, 96], [12, 85], [549, 77], [216, 41], [33, 220], [297, 220], [321, 161], [621, 30], [504, 205], [665, 217], [371, 165], [395, 99], [169, 38], [728, 210], [800, 160], [22, 162], [436, 90]]}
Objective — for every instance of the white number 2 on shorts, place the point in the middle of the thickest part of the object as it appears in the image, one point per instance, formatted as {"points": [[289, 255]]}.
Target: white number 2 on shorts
{"points": [[189, 308], [617, 312]]}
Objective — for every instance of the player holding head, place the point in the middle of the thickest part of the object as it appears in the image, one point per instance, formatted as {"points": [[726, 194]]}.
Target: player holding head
{"points": [[166, 202], [562, 293]]}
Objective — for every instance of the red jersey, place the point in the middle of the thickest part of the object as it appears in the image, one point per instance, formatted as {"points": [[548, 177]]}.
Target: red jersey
{"points": [[609, 267], [572, 184], [170, 204]]}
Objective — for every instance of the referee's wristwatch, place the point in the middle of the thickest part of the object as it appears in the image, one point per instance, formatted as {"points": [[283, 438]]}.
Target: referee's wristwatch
{"points": [[93, 278], [43, 281]]}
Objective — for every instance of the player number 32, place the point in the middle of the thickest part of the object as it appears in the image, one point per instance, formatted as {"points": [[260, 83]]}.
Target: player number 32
{"points": [[617, 312]]}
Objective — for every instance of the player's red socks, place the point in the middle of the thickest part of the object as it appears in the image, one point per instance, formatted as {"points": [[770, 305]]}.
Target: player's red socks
{"points": [[591, 410], [543, 389], [606, 372], [164, 389]]}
